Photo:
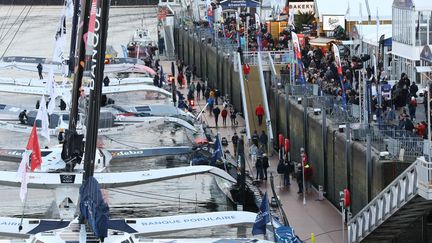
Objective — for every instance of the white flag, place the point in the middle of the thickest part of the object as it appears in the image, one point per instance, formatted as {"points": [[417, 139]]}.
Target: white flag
{"points": [[69, 8], [291, 19], [43, 116], [51, 87], [257, 22], [22, 174], [60, 40]]}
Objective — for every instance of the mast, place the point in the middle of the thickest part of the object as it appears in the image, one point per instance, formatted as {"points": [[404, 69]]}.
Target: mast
{"points": [[101, 13], [79, 68], [73, 36]]}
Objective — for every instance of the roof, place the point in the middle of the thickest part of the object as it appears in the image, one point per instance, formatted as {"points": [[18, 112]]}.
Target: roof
{"points": [[353, 9], [415, 4], [369, 32]]}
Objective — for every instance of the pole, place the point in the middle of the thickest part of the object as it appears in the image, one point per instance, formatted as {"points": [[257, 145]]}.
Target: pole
{"points": [[73, 37], [343, 223], [78, 74], [98, 64]]}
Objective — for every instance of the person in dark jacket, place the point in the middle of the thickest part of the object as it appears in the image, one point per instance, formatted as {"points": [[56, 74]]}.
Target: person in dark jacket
{"points": [[255, 138], [299, 178], [106, 81], [198, 90], [40, 68], [259, 168], [234, 141], [23, 117], [263, 139], [216, 112], [265, 163], [156, 80], [287, 172]]}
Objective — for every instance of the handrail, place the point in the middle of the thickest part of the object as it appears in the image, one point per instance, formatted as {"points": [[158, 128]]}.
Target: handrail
{"points": [[243, 92], [265, 100], [394, 196]]}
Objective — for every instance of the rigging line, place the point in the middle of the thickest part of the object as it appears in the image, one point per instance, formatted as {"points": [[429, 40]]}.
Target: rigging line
{"points": [[6, 20], [19, 27], [154, 194], [13, 24], [140, 196]]}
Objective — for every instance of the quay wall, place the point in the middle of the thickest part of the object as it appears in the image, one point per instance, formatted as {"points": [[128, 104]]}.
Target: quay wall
{"points": [[337, 162]]}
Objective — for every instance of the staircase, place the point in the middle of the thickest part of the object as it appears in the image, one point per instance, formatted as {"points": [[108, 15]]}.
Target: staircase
{"points": [[406, 199]]}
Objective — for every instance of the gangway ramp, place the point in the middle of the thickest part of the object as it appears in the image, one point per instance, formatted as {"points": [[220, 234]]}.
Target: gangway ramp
{"points": [[253, 99], [400, 204]]}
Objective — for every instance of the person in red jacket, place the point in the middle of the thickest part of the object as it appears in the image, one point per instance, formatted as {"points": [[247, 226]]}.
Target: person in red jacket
{"points": [[246, 71], [224, 115], [259, 111]]}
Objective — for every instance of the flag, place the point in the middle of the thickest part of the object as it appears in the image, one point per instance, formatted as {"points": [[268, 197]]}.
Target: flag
{"points": [[291, 19], [257, 22], [296, 44], [263, 217], [337, 59], [69, 8], [22, 174], [51, 87], [60, 40], [217, 151], [33, 146], [43, 116]]}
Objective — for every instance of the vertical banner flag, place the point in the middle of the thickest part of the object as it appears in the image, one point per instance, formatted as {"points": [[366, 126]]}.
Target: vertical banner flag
{"points": [[340, 73], [298, 56], [262, 218], [22, 174], [60, 40], [42, 115]]}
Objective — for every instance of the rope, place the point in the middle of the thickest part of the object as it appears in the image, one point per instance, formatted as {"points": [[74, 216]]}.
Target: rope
{"points": [[13, 24], [6, 20], [19, 27]]}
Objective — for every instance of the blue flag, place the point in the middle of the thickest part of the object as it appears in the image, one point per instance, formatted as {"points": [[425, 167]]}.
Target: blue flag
{"points": [[217, 151], [262, 218]]}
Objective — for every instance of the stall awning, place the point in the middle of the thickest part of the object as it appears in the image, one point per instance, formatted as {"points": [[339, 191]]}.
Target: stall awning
{"points": [[423, 69]]}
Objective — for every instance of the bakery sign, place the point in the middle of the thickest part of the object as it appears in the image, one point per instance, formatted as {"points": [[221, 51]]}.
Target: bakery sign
{"points": [[302, 7], [330, 22]]}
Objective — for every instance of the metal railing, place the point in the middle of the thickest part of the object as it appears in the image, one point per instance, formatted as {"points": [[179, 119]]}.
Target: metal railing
{"points": [[385, 204]]}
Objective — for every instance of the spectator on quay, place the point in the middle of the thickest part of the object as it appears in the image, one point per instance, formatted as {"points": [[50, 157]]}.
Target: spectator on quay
{"points": [[413, 90], [198, 90], [233, 117], [259, 168], [255, 138], [253, 151], [265, 164], [299, 178], [234, 141], [412, 106], [216, 112], [259, 111], [224, 115], [263, 140]]}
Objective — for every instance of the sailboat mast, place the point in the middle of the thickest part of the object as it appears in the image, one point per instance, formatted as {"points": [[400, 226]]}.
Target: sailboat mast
{"points": [[79, 62], [97, 72], [73, 36]]}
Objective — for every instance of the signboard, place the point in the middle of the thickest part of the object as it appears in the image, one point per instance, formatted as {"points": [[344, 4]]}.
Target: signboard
{"points": [[301, 7], [239, 4], [330, 22]]}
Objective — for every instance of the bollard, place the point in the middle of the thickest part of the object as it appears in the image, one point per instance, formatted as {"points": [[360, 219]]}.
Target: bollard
{"points": [[312, 238], [321, 193]]}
